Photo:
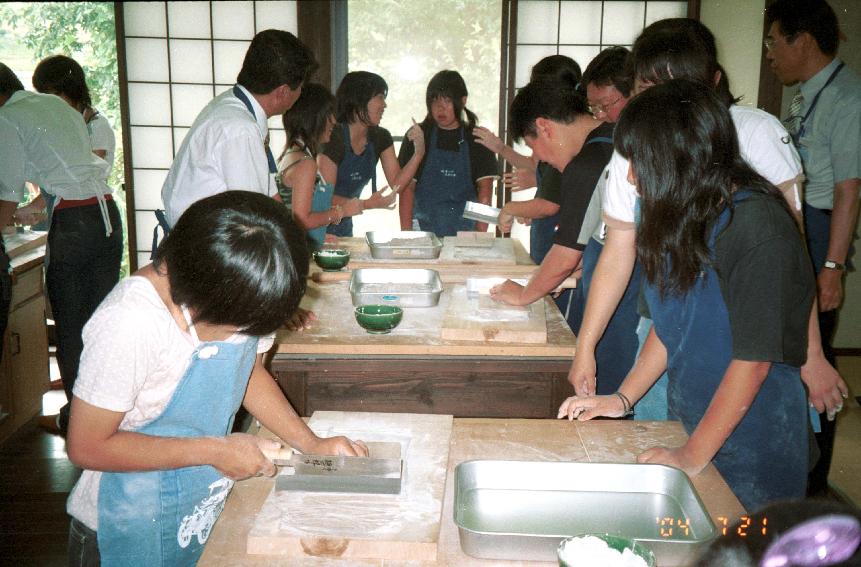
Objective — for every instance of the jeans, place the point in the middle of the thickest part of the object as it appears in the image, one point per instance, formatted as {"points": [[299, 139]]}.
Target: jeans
{"points": [[83, 546], [84, 266]]}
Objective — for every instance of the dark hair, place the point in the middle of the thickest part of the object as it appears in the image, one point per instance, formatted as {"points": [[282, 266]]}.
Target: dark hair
{"points": [[812, 16], [744, 544], [61, 75], [682, 144], [450, 85], [308, 118], [544, 98], [236, 258], [355, 92], [608, 69], [275, 58], [559, 67], [9, 82]]}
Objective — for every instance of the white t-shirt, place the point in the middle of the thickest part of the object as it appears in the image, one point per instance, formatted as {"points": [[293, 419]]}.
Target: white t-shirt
{"points": [[102, 138], [133, 359], [222, 151], [763, 142]]}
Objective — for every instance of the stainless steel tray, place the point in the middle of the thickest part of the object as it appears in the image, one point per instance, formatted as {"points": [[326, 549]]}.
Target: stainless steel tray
{"points": [[408, 244], [522, 509], [481, 213], [391, 286]]}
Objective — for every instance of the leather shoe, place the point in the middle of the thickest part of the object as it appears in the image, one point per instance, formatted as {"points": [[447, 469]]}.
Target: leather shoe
{"points": [[50, 423]]}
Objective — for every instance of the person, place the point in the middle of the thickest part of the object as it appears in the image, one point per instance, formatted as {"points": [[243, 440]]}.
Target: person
{"points": [[166, 364], [455, 169], [682, 47], [554, 121], [46, 143], [358, 142], [308, 125], [542, 211], [729, 287], [228, 144], [825, 123]]}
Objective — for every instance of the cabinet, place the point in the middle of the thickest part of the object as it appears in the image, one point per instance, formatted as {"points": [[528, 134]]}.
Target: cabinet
{"points": [[24, 367]]}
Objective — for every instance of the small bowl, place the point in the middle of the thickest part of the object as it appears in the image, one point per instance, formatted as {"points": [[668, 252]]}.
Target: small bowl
{"points": [[618, 543], [331, 259], [378, 319]]}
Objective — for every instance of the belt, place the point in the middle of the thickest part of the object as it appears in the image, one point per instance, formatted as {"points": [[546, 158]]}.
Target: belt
{"points": [[70, 203]]}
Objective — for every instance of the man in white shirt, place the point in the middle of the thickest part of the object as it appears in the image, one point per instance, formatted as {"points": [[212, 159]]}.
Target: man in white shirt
{"points": [[227, 146]]}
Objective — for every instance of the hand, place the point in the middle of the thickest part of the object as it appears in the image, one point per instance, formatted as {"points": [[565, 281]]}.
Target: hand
{"points": [[339, 446], [382, 199], [674, 457], [28, 215], [488, 139], [507, 292], [504, 221], [240, 456], [584, 408], [351, 208], [417, 136], [330, 239], [582, 373], [519, 179], [826, 390], [830, 286], [301, 320]]}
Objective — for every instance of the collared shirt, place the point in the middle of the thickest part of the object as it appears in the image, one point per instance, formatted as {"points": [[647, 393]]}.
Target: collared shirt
{"points": [[223, 151], [831, 144], [45, 141]]}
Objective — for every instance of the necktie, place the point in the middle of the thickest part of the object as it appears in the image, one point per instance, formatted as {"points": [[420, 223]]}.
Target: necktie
{"points": [[793, 121]]}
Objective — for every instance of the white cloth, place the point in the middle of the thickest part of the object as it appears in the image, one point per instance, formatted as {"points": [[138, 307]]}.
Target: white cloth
{"points": [[134, 357], [45, 141], [102, 138], [222, 151], [763, 142]]}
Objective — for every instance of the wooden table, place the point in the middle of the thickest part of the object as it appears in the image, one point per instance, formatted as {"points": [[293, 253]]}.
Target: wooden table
{"points": [[534, 440]]}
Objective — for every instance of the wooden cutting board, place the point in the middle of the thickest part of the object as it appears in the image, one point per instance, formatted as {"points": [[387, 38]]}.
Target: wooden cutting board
{"points": [[482, 319], [365, 526], [457, 250], [20, 242]]}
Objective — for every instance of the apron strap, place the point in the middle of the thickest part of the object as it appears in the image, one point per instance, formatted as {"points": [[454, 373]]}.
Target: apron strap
{"points": [[237, 92]]}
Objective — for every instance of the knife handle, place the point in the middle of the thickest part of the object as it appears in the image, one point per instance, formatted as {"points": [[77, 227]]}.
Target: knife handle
{"points": [[280, 454]]}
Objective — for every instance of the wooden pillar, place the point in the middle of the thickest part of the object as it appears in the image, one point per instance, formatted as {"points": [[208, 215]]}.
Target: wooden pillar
{"points": [[315, 31], [770, 89]]}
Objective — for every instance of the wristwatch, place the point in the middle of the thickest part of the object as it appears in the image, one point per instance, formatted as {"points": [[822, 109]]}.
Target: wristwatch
{"points": [[832, 265]]}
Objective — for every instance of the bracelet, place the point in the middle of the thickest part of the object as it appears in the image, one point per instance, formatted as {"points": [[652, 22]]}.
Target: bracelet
{"points": [[626, 404]]}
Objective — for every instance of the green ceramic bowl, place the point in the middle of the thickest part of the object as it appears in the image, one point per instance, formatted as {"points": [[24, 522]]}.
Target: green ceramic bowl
{"points": [[618, 543], [331, 259], [378, 319]]}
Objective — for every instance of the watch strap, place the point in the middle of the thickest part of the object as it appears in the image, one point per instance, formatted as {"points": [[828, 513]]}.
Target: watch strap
{"points": [[832, 265]]}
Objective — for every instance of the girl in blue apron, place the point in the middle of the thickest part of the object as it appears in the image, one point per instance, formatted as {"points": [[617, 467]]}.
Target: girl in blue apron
{"points": [[358, 142], [729, 289], [151, 429], [308, 124], [455, 170]]}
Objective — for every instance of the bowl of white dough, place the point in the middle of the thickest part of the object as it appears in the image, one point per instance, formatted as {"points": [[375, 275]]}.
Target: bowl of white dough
{"points": [[604, 550]]}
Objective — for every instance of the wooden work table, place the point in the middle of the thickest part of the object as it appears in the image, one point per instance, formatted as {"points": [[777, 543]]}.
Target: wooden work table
{"points": [[535, 440]]}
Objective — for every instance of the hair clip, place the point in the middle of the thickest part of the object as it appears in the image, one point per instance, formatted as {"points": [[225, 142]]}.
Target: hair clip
{"points": [[821, 541]]}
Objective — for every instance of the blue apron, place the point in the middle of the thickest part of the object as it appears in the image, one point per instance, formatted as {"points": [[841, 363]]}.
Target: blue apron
{"points": [[765, 458], [321, 202], [353, 174], [541, 231], [444, 188], [165, 517]]}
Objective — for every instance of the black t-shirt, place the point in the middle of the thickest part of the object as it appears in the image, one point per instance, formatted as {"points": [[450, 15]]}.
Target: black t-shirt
{"points": [[577, 186], [334, 149], [550, 184], [482, 161], [766, 281]]}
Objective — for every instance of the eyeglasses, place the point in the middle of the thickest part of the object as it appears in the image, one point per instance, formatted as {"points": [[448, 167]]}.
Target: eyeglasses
{"points": [[596, 109], [770, 41]]}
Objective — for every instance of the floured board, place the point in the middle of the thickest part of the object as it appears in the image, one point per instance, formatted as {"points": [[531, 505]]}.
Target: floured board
{"points": [[475, 239], [404, 526], [479, 318], [464, 251], [20, 242]]}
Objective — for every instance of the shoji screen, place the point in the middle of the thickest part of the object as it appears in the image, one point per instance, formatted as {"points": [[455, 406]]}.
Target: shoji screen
{"points": [[177, 57]]}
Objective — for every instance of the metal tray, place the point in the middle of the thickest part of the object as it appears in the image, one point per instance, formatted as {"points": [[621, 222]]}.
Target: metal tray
{"points": [[390, 286], [387, 245], [522, 509], [481, 213]]}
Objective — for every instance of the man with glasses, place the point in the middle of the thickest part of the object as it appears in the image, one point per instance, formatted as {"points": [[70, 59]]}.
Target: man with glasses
{"points": [[825, 124]]}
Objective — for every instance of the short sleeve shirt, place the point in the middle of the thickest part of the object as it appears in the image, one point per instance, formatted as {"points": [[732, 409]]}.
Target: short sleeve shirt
{"points": [[766, 282], [549, 183], [482, 161], [102, 138], [578, 186], [832, 133], [334, 149]]}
